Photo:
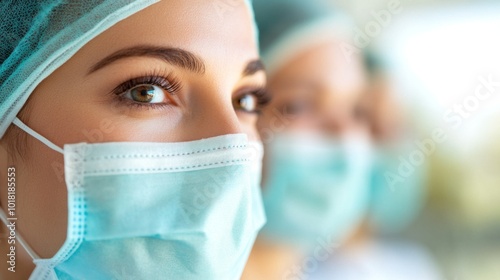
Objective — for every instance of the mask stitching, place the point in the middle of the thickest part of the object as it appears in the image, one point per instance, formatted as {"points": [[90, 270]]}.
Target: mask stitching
{"points": [[165, 168], [77, 216], [165, 155]]}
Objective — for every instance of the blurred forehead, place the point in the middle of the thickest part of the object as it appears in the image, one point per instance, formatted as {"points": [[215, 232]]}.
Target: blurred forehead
{"points": [[221, 35], [326, 68]]}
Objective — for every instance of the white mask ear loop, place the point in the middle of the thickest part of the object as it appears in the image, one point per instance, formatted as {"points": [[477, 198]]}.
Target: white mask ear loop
{"points": [[19, 238], [39, 137]]}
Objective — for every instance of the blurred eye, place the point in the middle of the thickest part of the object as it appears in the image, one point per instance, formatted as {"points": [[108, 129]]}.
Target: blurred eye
{"points": [[296, 108], [146, 94]]}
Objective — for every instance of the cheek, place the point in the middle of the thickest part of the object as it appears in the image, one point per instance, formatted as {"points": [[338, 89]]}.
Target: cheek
{"points": [[57, 125], [248, 123]]}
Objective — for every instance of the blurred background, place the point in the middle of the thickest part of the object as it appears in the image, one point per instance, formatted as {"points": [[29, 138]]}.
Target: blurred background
{"points": [[442, 58], [418, 79]]}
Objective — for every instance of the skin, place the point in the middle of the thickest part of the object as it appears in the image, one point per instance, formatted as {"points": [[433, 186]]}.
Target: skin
{"points": [[317, 92], [70, 103], [387, 120]]}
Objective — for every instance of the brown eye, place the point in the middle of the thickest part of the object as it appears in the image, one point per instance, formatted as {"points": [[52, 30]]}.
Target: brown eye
{"points": [[146, 94], [247, 103]]}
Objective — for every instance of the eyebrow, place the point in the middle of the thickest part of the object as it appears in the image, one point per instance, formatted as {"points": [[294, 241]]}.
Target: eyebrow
{"points": [[175, 56], [253, 67]]}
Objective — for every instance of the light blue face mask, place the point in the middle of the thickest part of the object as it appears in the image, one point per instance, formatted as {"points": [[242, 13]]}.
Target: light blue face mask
{"points": [[186, 210], [394, 207], [316, 188]]}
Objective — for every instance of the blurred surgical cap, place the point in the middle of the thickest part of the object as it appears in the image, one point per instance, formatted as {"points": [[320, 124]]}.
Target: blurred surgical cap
{"points": [[288, 27], [39, 36]]}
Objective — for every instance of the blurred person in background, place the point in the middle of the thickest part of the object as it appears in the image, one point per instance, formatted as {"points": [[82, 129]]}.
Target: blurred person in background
{"points": [[318, 152], [377, 250], [460, 222]]}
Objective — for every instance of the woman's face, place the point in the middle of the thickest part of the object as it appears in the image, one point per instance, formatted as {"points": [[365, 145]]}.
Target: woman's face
{"points": [[318, 91], [175, 71]]}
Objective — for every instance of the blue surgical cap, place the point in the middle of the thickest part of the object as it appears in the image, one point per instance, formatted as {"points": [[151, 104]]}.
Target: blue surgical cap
{"points": [[287, 27], [39, 36]]}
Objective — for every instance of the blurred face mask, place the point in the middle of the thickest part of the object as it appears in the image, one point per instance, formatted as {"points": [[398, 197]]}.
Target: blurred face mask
{"points": [[187, 210], [395, 202], [316, 188]]}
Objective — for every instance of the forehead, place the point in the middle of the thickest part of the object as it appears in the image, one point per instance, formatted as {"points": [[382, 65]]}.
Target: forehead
{"points": [[219, 34], [326, 67]]}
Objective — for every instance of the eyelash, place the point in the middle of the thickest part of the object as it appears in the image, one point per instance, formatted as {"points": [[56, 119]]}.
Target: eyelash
{"points": [[263, 96], [167, 82], [172, 86]]}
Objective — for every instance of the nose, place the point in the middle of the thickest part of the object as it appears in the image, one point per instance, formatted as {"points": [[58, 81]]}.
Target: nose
{"points": [[213, 114], [335, 114], [222, 120], [335, 122]]}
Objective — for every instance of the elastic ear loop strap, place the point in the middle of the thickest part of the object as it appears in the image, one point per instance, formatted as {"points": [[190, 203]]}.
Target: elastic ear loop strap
{"points": [[39, 137], [3, 216], [19, 238]]}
